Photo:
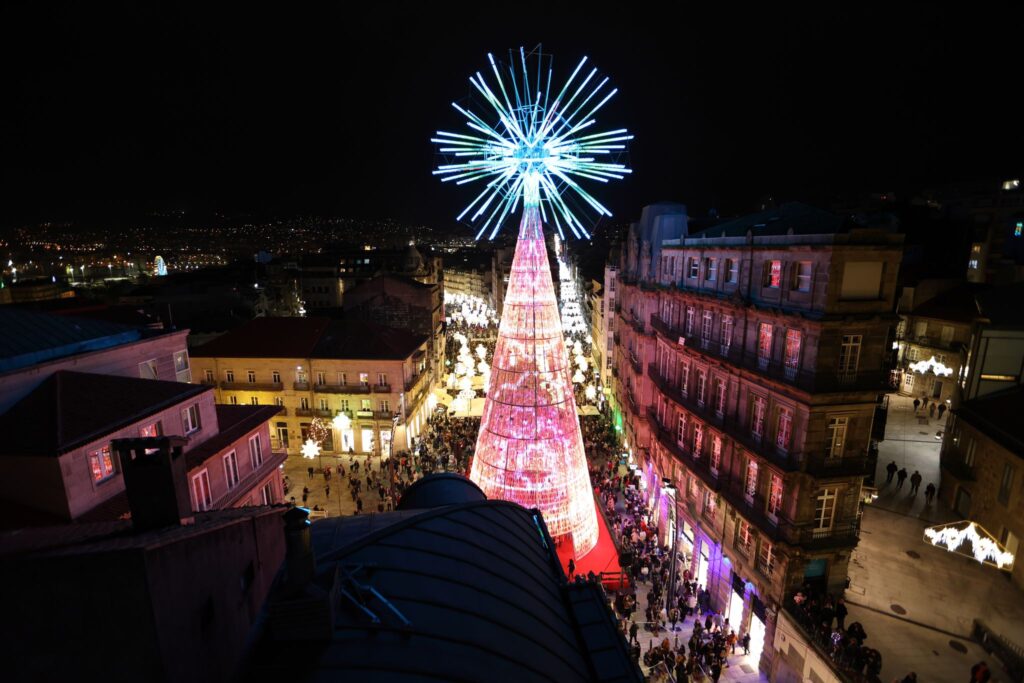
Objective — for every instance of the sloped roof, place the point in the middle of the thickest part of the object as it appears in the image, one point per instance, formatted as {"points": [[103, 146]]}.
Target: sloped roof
{"points": [[30, 338], [70, 409], [365, 340], [266, 338], [801, 218], [957, 304], [483, 593], [234, 423]]}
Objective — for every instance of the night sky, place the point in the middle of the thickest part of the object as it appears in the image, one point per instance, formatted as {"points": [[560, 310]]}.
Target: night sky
{"points": [[130, 109]]}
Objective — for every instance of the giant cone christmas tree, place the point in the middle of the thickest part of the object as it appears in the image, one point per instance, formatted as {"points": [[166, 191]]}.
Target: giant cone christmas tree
{"points": [[530, 448]]}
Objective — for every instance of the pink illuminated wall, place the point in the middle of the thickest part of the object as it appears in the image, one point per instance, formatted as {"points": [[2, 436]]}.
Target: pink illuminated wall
{"points": [[530, 449]]}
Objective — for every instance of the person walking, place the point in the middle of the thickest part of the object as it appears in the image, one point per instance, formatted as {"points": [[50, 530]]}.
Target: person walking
{"points": [[327, 490], [901, 477], [942, 410], [890, 471], [309, 471], [633, 630], [915, 482], [745, 642], [917, 404], [931, 410], [929, 493], [572, 568]]}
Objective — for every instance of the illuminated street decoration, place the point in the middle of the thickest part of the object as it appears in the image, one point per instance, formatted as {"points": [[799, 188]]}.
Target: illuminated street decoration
{"points": [[530, 448], [983, 546], [923, 366], [538, 144], [310, 449]]}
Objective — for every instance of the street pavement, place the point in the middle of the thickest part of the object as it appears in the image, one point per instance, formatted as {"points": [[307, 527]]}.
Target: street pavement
{"points": [[913, 598]]}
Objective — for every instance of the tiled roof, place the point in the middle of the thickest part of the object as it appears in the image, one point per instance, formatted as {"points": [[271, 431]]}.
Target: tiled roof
{"points": [[998, 416], [266, 338], [30, 338], [70, 409], [312, 337]]}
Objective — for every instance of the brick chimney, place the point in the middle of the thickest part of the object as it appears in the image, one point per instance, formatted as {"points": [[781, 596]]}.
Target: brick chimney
{"points": [[156, 480]]}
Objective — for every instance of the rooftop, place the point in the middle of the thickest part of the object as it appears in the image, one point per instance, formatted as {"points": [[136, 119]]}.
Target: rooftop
{"points": [[802, 219], [471, 591], [957, 304], [30, 338], [997, 415], [70, 409], [312, 337], [234, 423]]}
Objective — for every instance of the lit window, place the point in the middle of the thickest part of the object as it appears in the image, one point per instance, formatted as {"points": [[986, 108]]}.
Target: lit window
{"points": [[691, 315], [773, 274], [364, 379], [757, 416], [750, 483], [694, 266], [720, 397], [101, 463], [710, 503], [716, 453], [702, 380], [775, 495], [147, 369], [698, 439], [707, 322], [825, 509], [793, 339], [1018, 228], [181, 361], [764, 344], [766, 559], [726, 340], [681, 430], [151, 431], [973, 264], [744, 538]]}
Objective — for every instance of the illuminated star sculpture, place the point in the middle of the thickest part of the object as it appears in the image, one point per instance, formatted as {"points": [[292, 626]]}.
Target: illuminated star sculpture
{"points": [[310, 449], [531, 148]]}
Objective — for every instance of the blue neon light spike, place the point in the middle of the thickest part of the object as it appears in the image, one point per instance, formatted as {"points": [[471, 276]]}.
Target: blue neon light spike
{"points": [[529, 148]]}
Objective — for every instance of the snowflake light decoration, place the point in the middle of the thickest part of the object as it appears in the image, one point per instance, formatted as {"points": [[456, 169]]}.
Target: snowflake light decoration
{"points": [[531, 148]]}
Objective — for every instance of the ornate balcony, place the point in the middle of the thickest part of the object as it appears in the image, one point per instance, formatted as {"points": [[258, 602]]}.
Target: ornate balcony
{"points": [[382, 388], [252, 386], [341, 388]]}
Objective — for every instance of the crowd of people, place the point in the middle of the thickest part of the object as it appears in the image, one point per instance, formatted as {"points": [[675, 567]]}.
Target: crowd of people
{"points": [[823, 617]]}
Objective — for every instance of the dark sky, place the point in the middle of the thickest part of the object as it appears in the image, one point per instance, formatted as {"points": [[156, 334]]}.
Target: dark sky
{"points": [[140, 106]]}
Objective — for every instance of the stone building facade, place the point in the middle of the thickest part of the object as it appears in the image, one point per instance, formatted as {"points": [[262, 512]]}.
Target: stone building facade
{"points": [[749, 361]]}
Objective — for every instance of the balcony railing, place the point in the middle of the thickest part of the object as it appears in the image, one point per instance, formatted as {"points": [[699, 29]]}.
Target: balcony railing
{"points": [[303, 412], [341, 388], [822, 465], [252, 386], [300, 386], [638, 367], [382, 388], [320, 412]]}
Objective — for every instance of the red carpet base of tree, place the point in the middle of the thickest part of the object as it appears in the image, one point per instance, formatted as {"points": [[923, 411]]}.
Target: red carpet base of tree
{"points": [[603, 558]]}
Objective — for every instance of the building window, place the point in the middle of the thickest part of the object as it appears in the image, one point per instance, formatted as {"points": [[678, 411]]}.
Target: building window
{"points": [[323, 404], [792, 356], [757, 411], [694, 488], [710, 503], [681, 430], [750, 482], [201, 490], [684, 377], [707, 322], [304, 403], [1006, 483], [773, 274], [231, 470], [726, 340], [254, 400], [278, 401], [321, 378], [720, 397], [364, 379], [233, 400], [802, 276], [691, 314], [366, 404], [912, 353], [275, 377], [702, 381], [101, 464], [300, 376], [698, 439], [382, 379], [181, 361], [732, 271], [255, 451], [836, 437], [229, 376], [774, 496], [152, 430], [267, 494], [764, 344], [147, 369], [694, 266], [784, 431], [385, 405], [969, 448], [825, 509], [849, 354], [766, 558], [190, 418], [716, 453], [344, 405], [710, 269], [743, 538], [209, 376], [252, 376]]}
